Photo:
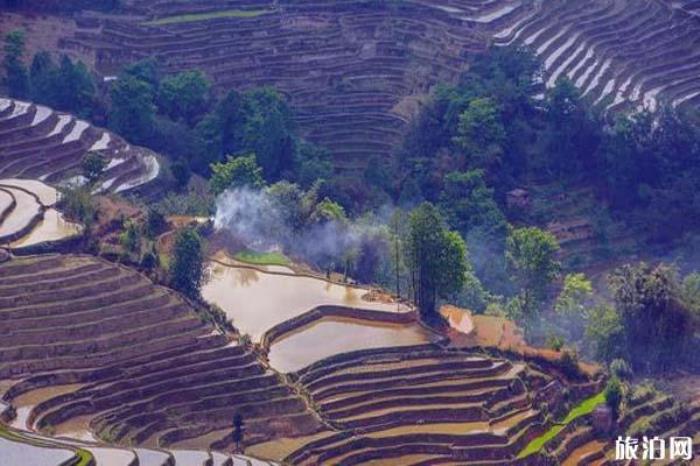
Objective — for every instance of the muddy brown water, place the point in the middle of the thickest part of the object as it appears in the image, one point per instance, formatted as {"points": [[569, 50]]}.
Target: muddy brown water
{"points": [[76, 428], [23, 454], [53, 227], [257, 301], [329, 336]]}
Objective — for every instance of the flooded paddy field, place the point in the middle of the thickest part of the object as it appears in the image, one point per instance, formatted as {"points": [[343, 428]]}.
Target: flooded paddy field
{"points": [[329, 336], [15, 453], [258, 300], [52, 228], [29, 216]]}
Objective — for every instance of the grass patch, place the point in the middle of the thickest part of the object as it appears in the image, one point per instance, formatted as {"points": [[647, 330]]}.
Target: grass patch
{"points": [[262, 258], [84, 457], [190, 18], [585, 407]]}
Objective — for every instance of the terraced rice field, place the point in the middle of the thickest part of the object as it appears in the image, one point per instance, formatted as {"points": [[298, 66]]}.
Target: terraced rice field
{"points": [[16, 453], [419, 405], [93, 351], [330, 336], [128, 360], [356, 72], [28, 216], [582, 445], [620, 53], [39, 143], [258, 300]]}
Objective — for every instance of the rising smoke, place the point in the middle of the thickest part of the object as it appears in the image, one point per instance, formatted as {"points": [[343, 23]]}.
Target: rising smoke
{"points": [[263, 222]]}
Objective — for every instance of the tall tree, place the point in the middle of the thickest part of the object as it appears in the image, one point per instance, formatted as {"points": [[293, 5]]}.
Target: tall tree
{"points": [[187, 266], [184, 96], [43, 76], [481, 133], [436, 256], [16, 78], [531, 254], [605, 331], [268, 131], [469, 204], [75, 91], [655, 319], [570, 136], [133, 112]]}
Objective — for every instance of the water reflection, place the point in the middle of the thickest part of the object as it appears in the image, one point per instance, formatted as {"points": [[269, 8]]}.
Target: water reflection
{"points": [[333, 335], [257, 301], [52, 228]]}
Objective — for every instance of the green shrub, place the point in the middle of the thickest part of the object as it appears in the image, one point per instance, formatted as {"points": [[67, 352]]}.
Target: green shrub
{"points": [[613, 396]]}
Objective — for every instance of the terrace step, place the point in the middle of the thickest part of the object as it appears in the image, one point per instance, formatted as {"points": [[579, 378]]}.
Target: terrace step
{"points": [[37, 142]]}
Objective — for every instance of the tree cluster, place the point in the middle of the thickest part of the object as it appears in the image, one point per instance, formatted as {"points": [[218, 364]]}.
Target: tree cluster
{"points": [[649, 324], [180, 115]]}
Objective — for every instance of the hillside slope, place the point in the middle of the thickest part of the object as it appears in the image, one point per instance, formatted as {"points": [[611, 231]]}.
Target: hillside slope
{"points": [[357, 71]]}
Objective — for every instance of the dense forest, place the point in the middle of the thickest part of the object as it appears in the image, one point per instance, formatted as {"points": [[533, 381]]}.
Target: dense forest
{"points": [[431, 223]]}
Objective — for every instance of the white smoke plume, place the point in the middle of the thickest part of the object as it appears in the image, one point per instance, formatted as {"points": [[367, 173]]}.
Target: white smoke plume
{"points": [[262, 223]]}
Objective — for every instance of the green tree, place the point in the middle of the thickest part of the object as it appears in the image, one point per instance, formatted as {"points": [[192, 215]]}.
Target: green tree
{"points": [[187, 266], [155, 223], [181, 173], [237, 172], [43, 76], [531, 255], [16, 78], [469, 204], [130, 238], [220, 132], [570, 136], [620, 369], [437, 258], [92, 166], [288, 198], [132, 113], [613, 396], [74, 91], [327, 211], [571, 304], [311, 163], [268, 131], [655, 319], [606, 333], [184, 96], [398, 233], [481, 133], [78, 204], [575, 293], [691, 294], [146, 70]]}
